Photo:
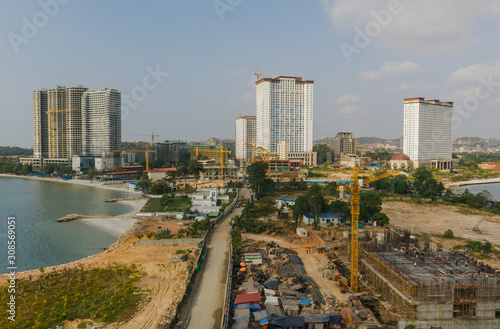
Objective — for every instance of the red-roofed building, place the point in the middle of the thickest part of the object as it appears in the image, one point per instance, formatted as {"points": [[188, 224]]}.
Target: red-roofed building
{"points": [[157, 174], [247, 298]]}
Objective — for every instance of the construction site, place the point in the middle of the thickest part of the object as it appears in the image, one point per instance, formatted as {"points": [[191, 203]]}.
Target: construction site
{"points": [[428, 287]]}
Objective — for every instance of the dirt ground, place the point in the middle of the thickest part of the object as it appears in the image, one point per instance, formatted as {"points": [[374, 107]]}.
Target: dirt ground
{"points": [[314, 262], [436, 219], [165, 280]]}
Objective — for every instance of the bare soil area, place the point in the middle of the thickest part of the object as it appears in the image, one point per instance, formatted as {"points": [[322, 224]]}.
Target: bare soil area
{"points": [[436, 219]]}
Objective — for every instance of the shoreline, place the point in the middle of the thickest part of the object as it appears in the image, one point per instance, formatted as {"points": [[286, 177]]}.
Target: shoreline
{"points": [[475, 182], [80, 182], [118, 226]]}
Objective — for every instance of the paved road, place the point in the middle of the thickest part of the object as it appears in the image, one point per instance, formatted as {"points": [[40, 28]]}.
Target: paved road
{"points": [[208, 302]]}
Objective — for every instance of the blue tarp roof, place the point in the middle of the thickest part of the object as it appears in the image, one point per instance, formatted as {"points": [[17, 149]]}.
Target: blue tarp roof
{"points": [[317, 181], [287, 321], [323, 318]]}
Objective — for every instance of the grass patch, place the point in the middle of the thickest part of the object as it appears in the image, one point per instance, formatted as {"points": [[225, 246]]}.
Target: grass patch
{"points": [[178, 204], [102, 294], [153, 205]]}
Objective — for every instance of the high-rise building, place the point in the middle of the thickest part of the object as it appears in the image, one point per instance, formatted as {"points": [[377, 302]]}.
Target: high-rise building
{"points": [[72, 121], [284, 113], [343, 144], [101, 121], [428, 132], [245, 136], [173, 152], [57, 126]]}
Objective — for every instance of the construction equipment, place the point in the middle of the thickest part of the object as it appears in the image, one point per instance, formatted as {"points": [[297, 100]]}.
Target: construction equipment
{"points": [[476, 228], [152, 138], [355, 211], [253, 149], [136, 151], [52, 128], [258, 74], [221, 151]]}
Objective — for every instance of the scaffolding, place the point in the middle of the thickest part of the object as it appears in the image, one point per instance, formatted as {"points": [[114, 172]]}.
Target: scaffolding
{"points": [[426, 285]]}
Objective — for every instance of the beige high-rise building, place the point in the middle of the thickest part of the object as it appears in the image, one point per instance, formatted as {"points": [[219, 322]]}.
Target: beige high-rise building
{"points": [[343, 144], [58, 127]]}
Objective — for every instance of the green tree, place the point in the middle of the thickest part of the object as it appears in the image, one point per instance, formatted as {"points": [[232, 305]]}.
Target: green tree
{"points": [[322, 150], [316, 199], [448, 234], [183, 170], [381, 218], [92, 174], [331, 189], [195, 168], [161, 186], [145, 182], [260, 185]]}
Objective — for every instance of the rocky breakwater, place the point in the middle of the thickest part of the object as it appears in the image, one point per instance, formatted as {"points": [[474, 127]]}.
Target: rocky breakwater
{"points": [[71, 217]]}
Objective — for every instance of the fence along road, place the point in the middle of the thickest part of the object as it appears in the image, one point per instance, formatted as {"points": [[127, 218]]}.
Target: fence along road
{"points": [[208, 302]]}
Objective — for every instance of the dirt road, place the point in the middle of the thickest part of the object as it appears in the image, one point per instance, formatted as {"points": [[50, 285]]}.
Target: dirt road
{"points": [[208, 302]]}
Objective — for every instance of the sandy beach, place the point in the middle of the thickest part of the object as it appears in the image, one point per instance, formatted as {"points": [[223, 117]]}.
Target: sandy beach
{"points": [[118, 225], [474, 182], [95, 184]]}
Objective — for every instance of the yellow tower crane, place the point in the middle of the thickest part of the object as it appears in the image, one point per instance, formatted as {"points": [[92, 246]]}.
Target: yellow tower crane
{"points": [[253, 149], [136, 151], [258, 74], [52, 128], [152, 138], [355, 211], [222, 151]]}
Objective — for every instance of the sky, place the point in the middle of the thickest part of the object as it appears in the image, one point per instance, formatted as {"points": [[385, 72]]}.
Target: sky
{"points": [[185, 68]]}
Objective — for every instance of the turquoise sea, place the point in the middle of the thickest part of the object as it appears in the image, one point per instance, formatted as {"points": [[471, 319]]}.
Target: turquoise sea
{"points": [[40, 240]]}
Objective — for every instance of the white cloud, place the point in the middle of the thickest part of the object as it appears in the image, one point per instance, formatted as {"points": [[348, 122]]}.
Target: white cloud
{"points": [[474, 72], [351, 109], [421, 27], [350, 103], [392, 68], [348, 99], [404, 87]]}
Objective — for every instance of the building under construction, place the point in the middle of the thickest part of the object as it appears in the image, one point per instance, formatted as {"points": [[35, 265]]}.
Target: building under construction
{"points": [[431, 288]]}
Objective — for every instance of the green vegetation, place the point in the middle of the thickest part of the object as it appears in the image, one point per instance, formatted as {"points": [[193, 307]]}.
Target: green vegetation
{"points": [[171, 202], [378, 156], [260, 185], [153, 205], [248, 220], [101, 294], [322, 150], [236, 241], [14, 150], [448, 234], [410, 326]]}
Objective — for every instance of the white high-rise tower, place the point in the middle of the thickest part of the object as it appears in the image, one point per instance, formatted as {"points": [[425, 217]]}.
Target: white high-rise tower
{"points": [[427, 137], [245, 136], [284, 113]]}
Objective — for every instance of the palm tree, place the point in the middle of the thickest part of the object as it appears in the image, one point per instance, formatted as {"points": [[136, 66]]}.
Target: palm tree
{"points": [[196, 168]]}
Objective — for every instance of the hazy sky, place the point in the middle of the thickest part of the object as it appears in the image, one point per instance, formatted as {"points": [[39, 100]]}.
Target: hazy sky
{"points": [[187, 66]]}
